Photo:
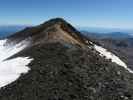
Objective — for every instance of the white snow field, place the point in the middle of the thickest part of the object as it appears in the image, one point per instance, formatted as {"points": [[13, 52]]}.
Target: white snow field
{"points": [[113, 57], [10, 70]]}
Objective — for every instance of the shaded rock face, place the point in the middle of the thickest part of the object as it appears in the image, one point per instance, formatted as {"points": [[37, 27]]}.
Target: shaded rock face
{"points": [[66, 72]]}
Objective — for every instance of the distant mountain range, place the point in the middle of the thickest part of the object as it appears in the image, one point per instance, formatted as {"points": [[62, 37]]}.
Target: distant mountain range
{"points": [[105, 30], [113, 35], [7, 30]]}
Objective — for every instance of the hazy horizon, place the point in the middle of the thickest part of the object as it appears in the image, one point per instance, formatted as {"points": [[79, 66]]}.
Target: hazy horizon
{"points": [[14, 28]]}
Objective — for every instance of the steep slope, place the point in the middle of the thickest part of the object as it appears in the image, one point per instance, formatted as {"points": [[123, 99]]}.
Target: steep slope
{"points": [[65, 66], [54, 30]]}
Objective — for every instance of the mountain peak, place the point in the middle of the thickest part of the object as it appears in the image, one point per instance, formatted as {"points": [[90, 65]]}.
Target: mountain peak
{"points": [[52, 22], [53, 30], [55, 21]]}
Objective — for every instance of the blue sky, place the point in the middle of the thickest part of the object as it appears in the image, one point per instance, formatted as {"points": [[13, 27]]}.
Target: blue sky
{"points": [[88, 13]]}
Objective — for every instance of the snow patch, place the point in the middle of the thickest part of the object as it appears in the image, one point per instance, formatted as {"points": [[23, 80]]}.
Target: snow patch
{"points": [[113, 57], [10, 70]]}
